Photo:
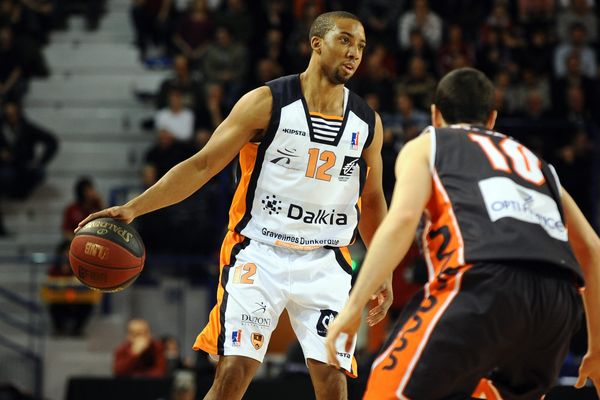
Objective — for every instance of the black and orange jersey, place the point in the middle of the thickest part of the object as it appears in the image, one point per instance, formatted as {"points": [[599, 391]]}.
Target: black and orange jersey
{"points": [[492, 199]]}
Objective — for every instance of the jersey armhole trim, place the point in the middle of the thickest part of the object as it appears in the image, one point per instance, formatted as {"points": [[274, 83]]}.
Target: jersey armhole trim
{"points": [[432, 149], [556, 179]]}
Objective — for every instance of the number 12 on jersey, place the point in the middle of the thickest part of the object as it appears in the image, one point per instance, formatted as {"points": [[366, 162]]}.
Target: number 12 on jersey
{"points": [[524, 162]]}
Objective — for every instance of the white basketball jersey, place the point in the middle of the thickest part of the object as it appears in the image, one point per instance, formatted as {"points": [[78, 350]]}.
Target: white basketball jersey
{"points": [[300, 187]]}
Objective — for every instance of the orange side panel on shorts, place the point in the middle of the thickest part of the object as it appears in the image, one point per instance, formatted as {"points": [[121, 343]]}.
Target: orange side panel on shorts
{"points": [[207, 339], [346, 254], [247, 162], [442, 215], [486, 390], [393, 368]]}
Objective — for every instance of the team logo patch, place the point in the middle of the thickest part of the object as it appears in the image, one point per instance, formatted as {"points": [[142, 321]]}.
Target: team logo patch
{"points": [[261, 308], [257, 340], [285, 157], [236, 338], [354, 142], [348, 167], [326, 318], [271, 204]]}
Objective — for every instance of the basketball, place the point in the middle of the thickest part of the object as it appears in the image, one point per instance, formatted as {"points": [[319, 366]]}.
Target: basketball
{"points": [[107, 255]]}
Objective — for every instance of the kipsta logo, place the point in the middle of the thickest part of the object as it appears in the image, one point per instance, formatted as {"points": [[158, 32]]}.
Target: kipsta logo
{"points": [[326, 318], [286, 157], [271, 204]]}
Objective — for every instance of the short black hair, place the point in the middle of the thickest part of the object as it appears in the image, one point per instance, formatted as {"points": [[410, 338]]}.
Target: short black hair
{"points": [[326, 21], [465, 95]]}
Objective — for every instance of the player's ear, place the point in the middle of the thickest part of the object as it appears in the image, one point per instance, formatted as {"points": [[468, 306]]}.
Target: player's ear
{"points": [[492, 120], [316, 43], [436, 117]]}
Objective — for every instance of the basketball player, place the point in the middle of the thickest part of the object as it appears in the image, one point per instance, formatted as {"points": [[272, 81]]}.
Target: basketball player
{"points": [[495, 319], [309, 154]]}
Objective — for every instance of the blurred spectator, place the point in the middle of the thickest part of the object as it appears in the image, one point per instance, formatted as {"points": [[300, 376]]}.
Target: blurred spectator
{"points": [[577, 43], [418, 84], [573, 77], [538, 53], [22, 162], [531, 82], [275, 16], [194, 32], [580, 12], [376, 75], [271, 47], [504, 83], [237, 20], [216, 108], [139, 354], [418, 47], [166, 153], [12, 81], [266, 70], [405, 121], [299, 55], [70, 304], [87, 201], [173, 355], [536, 12], [152, 20], [422, 18], [379, 19], [225, 63], [574, 164], [183, 81], [468, 14], [310, 11], [176, 120], [492, 54], [184, 386], [453, 49], [577, 111]]}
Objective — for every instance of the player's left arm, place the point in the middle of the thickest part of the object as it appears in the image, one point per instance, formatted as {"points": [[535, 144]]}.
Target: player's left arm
{"points": [[392, 240], [373, 210]]}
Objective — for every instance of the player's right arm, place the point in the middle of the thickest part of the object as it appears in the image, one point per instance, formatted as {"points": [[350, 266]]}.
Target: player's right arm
{"points": [[249, 118], [586, 246]]}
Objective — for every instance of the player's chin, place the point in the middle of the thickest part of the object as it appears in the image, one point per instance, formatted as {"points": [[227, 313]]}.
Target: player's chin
{"points": [[342, 76]]}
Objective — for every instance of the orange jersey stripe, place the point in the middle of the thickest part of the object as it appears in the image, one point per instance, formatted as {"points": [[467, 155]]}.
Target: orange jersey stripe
{"points": [[325, 116], [207, 340], [247, 162], [443, 239], [486, 390]]}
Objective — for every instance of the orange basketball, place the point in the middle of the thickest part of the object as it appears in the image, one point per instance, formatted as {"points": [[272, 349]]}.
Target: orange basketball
{"points": [[107, 254]]}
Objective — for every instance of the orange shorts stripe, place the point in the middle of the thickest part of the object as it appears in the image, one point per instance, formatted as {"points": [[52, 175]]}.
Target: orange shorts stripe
{"points": [[486, 390], [208, 339], [247, 161], [392, 370]]}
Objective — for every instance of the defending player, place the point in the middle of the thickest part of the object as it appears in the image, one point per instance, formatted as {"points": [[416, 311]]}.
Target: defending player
{"points": [[501, 304], [310, 176]]}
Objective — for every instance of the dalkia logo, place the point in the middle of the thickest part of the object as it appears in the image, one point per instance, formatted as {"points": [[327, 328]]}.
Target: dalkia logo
{"points": [[326, 318], [317, 217], [293, 132]]}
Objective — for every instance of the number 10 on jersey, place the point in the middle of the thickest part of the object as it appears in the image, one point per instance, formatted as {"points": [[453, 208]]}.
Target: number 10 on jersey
{"points": [[524, 162]]}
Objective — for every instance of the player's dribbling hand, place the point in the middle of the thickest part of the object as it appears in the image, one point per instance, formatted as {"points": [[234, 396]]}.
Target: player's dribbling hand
{"points": [[590, 368], [347, 321], [118, 212], [384, 297]]}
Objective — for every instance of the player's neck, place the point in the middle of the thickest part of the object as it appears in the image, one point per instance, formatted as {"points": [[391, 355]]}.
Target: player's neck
{"points": [[320, 94]]}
